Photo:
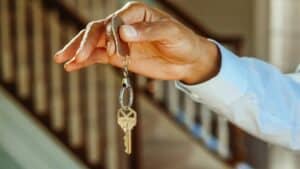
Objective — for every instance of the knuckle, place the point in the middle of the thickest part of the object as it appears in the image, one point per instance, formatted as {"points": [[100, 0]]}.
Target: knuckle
{"points": [[81, 31], [94, 24], [90, 25], [133, 4], [174, 28]]}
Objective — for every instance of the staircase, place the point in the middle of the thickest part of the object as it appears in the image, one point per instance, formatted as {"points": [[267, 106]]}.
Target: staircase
{"points": [[77, 108]]}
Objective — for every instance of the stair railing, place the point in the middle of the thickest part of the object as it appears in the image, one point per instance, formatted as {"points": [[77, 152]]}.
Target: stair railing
{"points": [[75, 107]]}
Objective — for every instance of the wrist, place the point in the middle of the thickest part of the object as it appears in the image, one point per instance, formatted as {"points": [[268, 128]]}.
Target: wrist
{"points": [[207, 64]]}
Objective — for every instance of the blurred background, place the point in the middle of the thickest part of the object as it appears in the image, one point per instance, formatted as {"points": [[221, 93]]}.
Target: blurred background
{"points": [[50, 119]]}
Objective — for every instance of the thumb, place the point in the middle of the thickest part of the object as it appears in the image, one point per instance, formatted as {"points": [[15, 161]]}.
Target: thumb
{"points": [[154, 31]]}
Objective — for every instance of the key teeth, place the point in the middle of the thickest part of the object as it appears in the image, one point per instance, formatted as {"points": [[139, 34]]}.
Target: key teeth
{"points": [[126, 145]]}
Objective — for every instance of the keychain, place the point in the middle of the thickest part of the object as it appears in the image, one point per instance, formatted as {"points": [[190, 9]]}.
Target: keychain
{"points": [[126, 116]]}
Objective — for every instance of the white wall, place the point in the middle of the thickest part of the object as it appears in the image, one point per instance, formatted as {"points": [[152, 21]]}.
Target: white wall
{"points": [[229, 17], [285, 34]]}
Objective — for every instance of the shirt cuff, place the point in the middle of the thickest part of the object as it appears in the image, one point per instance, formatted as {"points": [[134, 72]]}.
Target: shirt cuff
{"points": [[227, 86]]}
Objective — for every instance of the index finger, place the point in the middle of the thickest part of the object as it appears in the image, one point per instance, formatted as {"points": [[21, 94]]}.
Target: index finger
{"points": [[134, 12]]}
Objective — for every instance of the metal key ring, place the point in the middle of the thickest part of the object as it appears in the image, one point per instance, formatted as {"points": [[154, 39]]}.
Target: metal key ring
{"points": [[126, 87]]}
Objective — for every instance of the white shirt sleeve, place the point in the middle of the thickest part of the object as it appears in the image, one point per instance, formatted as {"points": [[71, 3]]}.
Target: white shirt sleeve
{"points": [[255, 96]]}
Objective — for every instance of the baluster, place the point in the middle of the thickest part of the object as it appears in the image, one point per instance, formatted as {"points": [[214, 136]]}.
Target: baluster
{"points": [[165, 93], [189, 110], [102, 112], [214, 142], [22, 60], [112, 139], [180, 114], [6, 48], [75, 119], [237, 144], [158, 90], [197, 129], [93, 146], [142, 81], [223, 137], [173, 98], [38, 54], [207, 124], [57, 109]]}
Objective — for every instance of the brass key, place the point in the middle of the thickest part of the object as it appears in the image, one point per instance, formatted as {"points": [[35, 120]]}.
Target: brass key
{"points": [[127, 120]]}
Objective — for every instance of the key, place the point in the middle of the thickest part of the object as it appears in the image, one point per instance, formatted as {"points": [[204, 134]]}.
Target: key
{"points": [[127, 120], [127, 117]]}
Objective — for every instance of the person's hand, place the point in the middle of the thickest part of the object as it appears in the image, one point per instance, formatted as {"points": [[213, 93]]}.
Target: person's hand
{"points": [[160, 47]]}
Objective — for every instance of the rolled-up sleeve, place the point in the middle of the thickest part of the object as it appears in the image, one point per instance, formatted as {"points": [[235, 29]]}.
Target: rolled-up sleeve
{"points": [[255, 96]]}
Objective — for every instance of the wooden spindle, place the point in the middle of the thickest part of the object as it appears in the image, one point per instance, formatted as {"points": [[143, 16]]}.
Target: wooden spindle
{"points": [[6, 48], [237, 143], [112, 139], [197, 130], [57, 106], [93, 133], [206, 123], [158, 90], [23, 84], [223, 137], [101, 84], [75, 118], [142, 81], [173, 98], [189, 110], [40, 102]]}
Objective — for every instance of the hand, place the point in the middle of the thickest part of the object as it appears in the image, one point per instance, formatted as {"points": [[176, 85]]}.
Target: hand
{"points": [[160, 47]]}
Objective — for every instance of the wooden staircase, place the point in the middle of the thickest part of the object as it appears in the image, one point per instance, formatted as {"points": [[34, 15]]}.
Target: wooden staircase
{"points": [[78, 108]]}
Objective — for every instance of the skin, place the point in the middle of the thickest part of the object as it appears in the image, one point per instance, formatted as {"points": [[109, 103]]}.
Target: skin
{"points": [[160, 47]]}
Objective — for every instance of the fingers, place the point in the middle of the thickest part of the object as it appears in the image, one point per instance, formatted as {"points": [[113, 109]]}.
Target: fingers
{"points": [[134, 12], [164, 31], [90, 40], [99, 55], [70, 49]]}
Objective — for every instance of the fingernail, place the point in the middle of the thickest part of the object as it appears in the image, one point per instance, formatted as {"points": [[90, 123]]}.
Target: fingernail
{"points": [[129, 31], [56, 56]]}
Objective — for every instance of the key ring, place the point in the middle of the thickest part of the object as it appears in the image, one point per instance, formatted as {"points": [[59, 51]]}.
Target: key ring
{"points": [[126, 87]]}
